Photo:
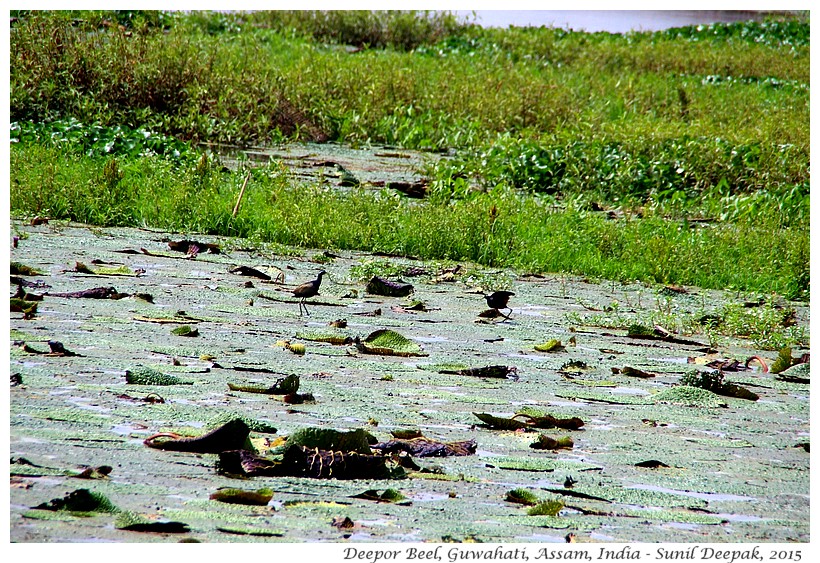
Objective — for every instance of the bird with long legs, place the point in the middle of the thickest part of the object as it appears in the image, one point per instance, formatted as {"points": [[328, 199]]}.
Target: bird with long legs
{"points": [[308, 289], [498, 300]]}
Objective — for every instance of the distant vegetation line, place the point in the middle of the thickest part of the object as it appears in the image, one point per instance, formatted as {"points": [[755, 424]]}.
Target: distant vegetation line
{"points": [[702, 125]]}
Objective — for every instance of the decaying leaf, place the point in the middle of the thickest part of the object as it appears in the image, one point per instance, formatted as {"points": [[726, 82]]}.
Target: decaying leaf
{"points": [[193, 247], [229, 436], [301, 461], [552, 345], [94, 293], [389, 495], [406, 434], [651, 464], [248, 271], [499, 422], [498, 372], [283, 386], [381, 286], [389, 343], [101, 472], [134, 522], [425, 447], [545, 442], [632, 372]]}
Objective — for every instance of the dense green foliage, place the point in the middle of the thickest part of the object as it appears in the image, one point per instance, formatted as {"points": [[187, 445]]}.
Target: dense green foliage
{"points": [[696, 139]]}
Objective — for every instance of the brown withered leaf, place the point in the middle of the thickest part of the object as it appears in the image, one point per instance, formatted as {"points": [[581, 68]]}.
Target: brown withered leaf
{"points": [[381, 286], [425, 447], [230, 436], [248, 271], [94, 293]]}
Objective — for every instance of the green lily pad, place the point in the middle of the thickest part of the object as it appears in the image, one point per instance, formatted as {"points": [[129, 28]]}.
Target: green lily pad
{"points": [[328, 439], [689, 396], [390, 343], [149, 376]]}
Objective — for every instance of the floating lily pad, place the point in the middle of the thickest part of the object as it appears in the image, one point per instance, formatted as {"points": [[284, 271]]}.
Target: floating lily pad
{"points": [[330, 336], [799, 373], [546, 508], [522, 496], [283, 386], [358, 440], [134, 522], [390, 343], [82, 502], [259, 497], [389, 495], [149, 376], [185, 330], [689, 396]]}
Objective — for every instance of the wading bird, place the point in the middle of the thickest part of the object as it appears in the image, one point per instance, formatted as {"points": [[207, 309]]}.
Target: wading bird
{"points": [[498, 300], [308, 289]]}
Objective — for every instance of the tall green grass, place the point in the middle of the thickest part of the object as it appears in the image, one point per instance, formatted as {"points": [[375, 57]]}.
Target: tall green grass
{"points": [[696, 139], [501, 227]]}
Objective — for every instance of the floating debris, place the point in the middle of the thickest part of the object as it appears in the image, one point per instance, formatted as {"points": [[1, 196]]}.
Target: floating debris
{"points": [[632, 372], [230, 436], [496, 372], [544, 442], [425, 447], [94, 293], [192, 247], [248, 271], [381, 286]]}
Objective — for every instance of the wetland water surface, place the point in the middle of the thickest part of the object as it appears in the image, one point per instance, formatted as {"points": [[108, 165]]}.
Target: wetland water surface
{"points": [[731, 472]]}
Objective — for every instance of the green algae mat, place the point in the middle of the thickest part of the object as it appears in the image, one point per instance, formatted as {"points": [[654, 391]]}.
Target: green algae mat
{"points": [[165, 388]]}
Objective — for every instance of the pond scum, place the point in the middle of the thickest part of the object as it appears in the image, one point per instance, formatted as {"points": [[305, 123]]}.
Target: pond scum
{"points": [[447, 426]]}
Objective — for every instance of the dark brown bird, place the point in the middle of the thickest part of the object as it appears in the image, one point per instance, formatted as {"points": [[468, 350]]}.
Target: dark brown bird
{"points": [[308, 289], [498, 300]]}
